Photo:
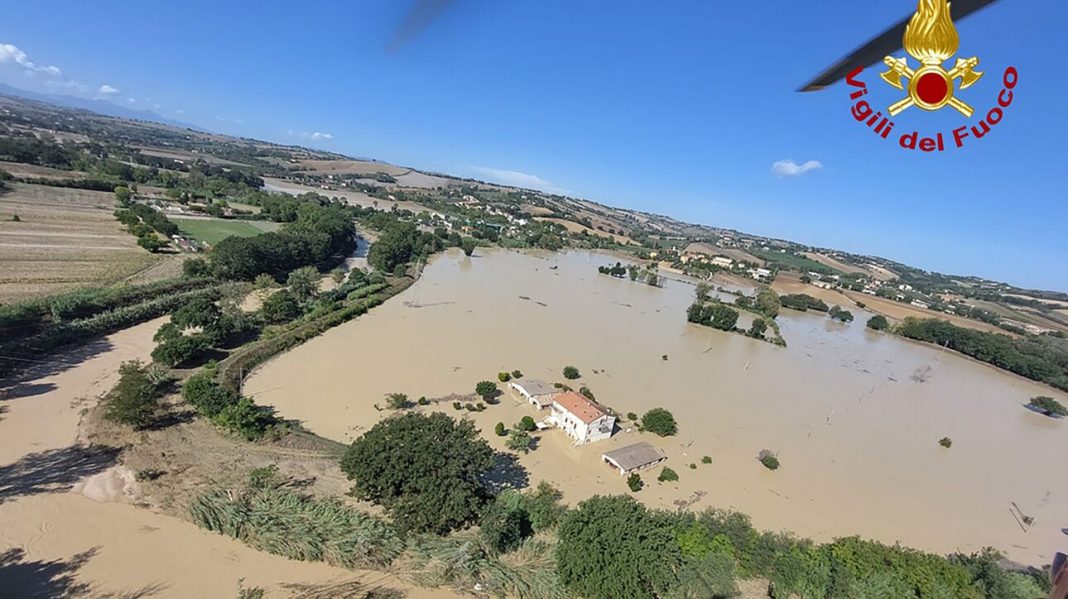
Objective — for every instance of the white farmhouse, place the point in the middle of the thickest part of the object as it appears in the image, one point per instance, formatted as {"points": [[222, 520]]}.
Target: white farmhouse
{"points": [[583, 420], [722, 261], [538, 393]]}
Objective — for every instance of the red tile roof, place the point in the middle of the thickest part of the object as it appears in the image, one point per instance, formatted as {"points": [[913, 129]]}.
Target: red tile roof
{"points": [[580, 406]]}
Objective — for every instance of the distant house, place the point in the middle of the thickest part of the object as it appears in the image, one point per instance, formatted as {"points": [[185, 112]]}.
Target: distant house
{"points": [[722, 261], [634, 457], [823, 284], [538, 393], [582, 419], [920, 304]]}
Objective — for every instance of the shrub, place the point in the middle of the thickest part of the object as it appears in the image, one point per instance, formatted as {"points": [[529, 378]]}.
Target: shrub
{"points": [[660, 422], [457, 406], [195, 268], [837, 313], [634, 482], [526, 423], [504, 377], [246, 419], [1048, 406], [693, 466], [500, 429], [667, 475], [181, 349], [632, 416], [485, 388], [208, 397], [946, 442], [135, 399], [769, 459], [706, 459], [423, 401], [589, 394], [516, 374], [571, 373], [397, 401], [878, 323]]}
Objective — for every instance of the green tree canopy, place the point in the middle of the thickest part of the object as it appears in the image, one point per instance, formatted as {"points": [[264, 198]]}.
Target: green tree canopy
{"points": [[485, 388], [768, 302], [612, 547], [303, 283], [878, 323], [426, 470], [280, 307], [467, 244], [134, 399], [659, 421], [571, 373]]}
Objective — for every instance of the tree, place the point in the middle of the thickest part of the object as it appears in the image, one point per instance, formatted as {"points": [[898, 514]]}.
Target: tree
{"points": [[207, 396], [135, 398], [878, 323], [571, 373], [667, 475], [517, 374], [280, 307], [769, 459], [1048, 406], [467, 244], [504, 377], [768, 302], [634, 482], [758, 328], [122, 195], [434, 484], [485, 388], [659, 421], [181, 349], [612, 547], [196, 268], [303, 283], [837, 313], [702, 292], [520, 440], [150, 242], [506, 522], [500, 429], [946, 442]]}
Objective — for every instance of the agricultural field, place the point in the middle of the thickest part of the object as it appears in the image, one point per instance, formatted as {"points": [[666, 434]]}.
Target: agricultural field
{"points": [[794, 262], [63, 238], [214, 230]]}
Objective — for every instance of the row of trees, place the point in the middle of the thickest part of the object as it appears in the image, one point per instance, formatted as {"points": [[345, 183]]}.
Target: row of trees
{"points": [[716, 315], [803, 302], [319, 234], [401, 242], [1035, 358]]}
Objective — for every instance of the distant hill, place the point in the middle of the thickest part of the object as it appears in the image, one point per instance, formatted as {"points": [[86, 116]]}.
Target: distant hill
{"points": [[100, 106]]}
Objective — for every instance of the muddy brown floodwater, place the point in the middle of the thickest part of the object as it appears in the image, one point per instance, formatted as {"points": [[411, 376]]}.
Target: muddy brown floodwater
{"points": [[856, 435]]}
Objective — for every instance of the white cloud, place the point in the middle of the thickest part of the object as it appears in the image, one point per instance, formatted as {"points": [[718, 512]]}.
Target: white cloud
{"points": [[107, 90], [12, 53], [789, 168], [517, 179], [320, 136]]}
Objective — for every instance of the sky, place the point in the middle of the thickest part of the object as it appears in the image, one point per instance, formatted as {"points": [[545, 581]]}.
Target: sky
{"points": [[686, 108]]}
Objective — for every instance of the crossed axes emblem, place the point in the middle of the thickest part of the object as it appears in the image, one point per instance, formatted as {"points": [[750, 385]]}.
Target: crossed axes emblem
{"points": [[936, 76]]}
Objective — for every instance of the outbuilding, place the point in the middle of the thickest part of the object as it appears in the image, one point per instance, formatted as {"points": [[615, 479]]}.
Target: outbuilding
{"points": [[538, 393], [634, 457]]}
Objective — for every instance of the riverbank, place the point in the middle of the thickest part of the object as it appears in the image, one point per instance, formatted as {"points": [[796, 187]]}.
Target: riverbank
{"points": [[55, 540]]}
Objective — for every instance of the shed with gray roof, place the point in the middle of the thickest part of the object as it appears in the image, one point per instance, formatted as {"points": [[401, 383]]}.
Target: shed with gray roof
{"points": [[634, 457]]}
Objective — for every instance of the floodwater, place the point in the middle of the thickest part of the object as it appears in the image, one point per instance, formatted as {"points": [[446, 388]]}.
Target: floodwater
{"points": [[856, 435]]}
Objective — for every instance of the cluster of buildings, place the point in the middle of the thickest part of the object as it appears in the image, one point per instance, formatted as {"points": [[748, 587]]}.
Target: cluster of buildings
{"points": [[585, 421]]}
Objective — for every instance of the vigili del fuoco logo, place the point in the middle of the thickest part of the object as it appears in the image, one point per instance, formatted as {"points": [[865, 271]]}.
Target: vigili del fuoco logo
{"points": [[931, 38]]}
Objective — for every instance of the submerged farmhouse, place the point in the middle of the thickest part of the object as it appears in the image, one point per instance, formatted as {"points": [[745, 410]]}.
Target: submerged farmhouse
{"points": [[538, 393], [582, 419]]}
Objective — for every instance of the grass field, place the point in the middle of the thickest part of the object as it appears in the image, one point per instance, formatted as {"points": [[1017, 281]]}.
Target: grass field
{"points": [[214, 230], [794, 262], [64, 238]]}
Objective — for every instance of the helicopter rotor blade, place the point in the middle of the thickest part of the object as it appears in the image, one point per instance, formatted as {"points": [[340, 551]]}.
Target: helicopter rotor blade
{"points": [[882, 45]]}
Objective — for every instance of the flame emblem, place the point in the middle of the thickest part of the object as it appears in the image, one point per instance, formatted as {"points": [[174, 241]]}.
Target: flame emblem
{"points": [[932, 39]]}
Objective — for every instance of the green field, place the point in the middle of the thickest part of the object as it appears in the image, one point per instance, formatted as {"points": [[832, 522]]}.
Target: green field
{"points": [[793, 262], [216, 229]]}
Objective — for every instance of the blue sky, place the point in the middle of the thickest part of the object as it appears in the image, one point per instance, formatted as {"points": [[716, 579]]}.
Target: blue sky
{"points": [[679, 108]]}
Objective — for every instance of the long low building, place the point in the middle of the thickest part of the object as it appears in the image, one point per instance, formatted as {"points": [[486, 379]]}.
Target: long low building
{"points": [[634, 457], [538, 393]]}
